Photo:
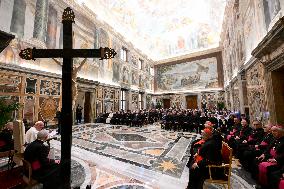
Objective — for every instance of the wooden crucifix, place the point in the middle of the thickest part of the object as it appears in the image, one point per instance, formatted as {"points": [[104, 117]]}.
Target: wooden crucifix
{"points": [[67, 53]]}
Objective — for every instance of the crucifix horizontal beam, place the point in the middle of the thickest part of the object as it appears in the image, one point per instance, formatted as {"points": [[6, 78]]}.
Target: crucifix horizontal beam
{"points": [[102, 53], [67, 53]]}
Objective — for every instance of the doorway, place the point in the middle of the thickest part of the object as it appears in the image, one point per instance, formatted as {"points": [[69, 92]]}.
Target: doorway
{"points": [[87, 108], [278, 93], [191, 102], [167, 103]]}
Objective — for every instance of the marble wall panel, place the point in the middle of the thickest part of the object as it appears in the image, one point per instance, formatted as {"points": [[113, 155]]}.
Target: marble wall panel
{"points": [[10, 83], [256, 92], [235, 94], [134, 101], [47, 108], [48, 87], [29, 109]]}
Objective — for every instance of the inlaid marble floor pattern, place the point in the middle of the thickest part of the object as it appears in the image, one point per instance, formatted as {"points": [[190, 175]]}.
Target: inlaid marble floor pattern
{"points": [[117, 156], [148, 147]]}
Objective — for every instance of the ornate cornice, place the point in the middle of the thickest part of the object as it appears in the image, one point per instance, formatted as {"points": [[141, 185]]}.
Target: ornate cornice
{"points": [[189, 56], [16, 68]]}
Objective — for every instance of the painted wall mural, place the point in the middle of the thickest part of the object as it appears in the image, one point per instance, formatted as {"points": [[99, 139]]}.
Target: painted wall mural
{"points": [[199, 74], [115, 72]]}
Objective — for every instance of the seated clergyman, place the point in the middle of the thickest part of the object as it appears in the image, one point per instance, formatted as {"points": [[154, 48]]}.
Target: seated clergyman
{"points": [[44, 170]]}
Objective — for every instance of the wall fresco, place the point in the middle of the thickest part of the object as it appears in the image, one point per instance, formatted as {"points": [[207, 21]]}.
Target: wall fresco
{"points": [[200, 74]]}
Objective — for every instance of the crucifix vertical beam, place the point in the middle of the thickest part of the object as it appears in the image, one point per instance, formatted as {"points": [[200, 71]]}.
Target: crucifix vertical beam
{"points": [[67, 114]]}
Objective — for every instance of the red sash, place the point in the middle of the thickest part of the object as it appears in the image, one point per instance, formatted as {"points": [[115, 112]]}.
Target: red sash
{"points": [[200, 142], [273, 152], [281, 184], [2, 143], [35, 165], [198, 158], [262, 176], [250, 138], [263, 143]]}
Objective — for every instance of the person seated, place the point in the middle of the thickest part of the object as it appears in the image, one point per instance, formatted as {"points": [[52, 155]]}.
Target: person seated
{"points": [[248, 155], [44, 170], [208, 153], [233, 130], [240, 137], [222, 124], [275, 177], [254, 138], [31, 134], [6, 138], [274, 159], [110, 115]]}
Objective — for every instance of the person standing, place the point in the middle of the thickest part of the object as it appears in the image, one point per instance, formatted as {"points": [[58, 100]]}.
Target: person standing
{"points": [[59, 119], [79, 114]]}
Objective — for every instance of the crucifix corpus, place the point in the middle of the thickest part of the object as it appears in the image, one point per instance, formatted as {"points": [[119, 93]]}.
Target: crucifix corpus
{"points": [[67, 53]]}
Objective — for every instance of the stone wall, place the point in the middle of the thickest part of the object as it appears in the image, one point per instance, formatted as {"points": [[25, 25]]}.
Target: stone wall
{"points": [[246, 27], [39, 95]]}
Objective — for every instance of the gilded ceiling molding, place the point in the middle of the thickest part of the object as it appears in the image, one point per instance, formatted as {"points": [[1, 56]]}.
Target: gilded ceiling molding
{"points": [[191, 55]]}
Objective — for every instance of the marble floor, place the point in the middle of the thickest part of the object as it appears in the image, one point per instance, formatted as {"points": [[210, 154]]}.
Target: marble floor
{"points": [[122, 157]]}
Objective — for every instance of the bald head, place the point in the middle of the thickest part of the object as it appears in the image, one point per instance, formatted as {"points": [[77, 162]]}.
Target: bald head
{"points": [[42, 135], [39, 125], [9, 126]]}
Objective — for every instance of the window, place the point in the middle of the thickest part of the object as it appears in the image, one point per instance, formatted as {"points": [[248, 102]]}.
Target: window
{"points": [[122, 100], [152, 71], [140, 101], [140, 64], [123, 54]]}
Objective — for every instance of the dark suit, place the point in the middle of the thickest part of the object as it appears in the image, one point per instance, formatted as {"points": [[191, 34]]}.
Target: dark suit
{"points": [[211, 154], [43, 169]]}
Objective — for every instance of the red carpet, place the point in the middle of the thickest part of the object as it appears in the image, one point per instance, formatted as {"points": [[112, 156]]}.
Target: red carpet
{"points": [[11, 179]]}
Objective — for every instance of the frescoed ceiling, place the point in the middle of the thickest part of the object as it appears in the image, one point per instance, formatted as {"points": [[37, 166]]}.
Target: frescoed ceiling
{"points": [[163, 28]]}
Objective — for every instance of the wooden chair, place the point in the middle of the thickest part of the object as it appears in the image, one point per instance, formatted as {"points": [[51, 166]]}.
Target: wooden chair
{"points": [[27, 176], [8, 154], [227, 156]]}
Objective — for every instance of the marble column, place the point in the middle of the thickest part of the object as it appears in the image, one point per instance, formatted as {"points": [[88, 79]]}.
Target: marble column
{"points": [[51, 27], [92, 106], [242, 93], [231, 98], [40, 23], [87, 108], [18, 18]]}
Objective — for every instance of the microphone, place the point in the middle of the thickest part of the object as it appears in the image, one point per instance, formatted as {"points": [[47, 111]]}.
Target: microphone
{"points": [[52, 138]]}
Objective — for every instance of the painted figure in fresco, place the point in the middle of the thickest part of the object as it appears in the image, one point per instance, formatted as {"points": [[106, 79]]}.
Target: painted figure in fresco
{"points": [[271, 9], [115, 71]]}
